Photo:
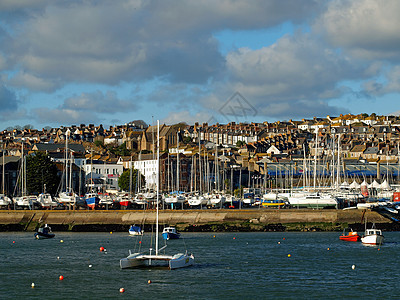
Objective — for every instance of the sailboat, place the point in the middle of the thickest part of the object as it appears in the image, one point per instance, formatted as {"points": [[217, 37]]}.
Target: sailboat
{"points": [[24, 200], [68, 197], [176, 197], [140, 259], [5, 201]]}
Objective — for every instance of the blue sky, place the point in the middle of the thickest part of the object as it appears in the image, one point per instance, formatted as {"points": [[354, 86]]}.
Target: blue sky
{"points": [[111, 62]]}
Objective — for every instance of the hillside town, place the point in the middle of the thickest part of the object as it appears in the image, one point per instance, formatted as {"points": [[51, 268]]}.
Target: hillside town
{"points": [[246, 160]]}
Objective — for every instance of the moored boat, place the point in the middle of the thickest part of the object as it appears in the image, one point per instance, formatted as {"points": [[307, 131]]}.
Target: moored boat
{"points": [[313, 200], [44, 233], [351, 236], [170, 233], [372, 236], [139, 259], [92, 200], [135, 230]]}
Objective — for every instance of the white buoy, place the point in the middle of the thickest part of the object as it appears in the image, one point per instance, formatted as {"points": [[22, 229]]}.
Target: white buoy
{"points": [[33, 285], [353, 267], [90, 266]]}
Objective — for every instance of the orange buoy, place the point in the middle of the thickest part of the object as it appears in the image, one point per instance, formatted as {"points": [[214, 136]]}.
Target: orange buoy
{"points": [[101, 249], [328, 249], [149, 281], [61, 277], [121, 290], [288, 255]]}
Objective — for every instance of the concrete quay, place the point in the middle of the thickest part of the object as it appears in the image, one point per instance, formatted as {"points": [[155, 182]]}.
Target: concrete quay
{"points": [[193, 220]]}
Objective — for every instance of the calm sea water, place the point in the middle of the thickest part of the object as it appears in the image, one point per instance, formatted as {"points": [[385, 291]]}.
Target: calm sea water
{"points": [[228, 266]]}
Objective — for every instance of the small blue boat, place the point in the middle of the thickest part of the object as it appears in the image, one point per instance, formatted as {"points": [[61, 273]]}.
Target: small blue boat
{"points": [[92, 200], [135, 230], [170, 233], [44, 233]]}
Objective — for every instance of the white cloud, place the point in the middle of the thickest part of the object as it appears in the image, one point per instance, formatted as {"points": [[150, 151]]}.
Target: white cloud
{"points": [[297, 75], [108, 42], [98, 102], [187, 117], [366, 28]]}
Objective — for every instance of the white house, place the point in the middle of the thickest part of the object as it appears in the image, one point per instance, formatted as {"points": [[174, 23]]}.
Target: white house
{"points": [[106, 173], [148, 168]]}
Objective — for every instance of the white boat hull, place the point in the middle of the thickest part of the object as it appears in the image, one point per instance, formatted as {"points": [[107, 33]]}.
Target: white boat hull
{"points": [[372, 239], [174, 200], [137, 260], [198, 200], [313, 201]]}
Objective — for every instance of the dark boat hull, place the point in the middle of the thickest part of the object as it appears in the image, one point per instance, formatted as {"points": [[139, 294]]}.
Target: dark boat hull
{"points": [[40, 236]]}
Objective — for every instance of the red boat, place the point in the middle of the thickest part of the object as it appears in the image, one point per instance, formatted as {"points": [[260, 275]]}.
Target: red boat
{"points": [[352, 236]]}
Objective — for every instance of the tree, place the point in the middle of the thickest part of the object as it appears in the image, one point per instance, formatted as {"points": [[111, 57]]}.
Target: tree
{"points": [[98, 143], [186, 139], [124, 180], [119, 150], [41, 171], [239, 144]]}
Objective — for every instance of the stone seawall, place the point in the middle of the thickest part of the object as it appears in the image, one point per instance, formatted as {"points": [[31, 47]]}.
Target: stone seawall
{"points": [[192, 220]]}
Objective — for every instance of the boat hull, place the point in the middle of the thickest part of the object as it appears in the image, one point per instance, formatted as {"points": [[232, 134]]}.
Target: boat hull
{"points": [[372, 239], [41, 236], [171, 235], [135, 230], [92, 202], [350, 238], [138, 260]]}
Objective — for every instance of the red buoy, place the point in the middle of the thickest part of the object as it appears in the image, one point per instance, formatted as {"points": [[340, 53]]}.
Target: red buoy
{"points": [[101, 249], [121, 290], [61, 277]]}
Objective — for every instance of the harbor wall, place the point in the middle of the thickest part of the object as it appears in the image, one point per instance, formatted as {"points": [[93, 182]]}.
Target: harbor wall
{"points": [[191, 220]]}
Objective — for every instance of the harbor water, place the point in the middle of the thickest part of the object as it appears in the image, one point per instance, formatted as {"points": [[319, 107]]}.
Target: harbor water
{"points": [[267, 265]]}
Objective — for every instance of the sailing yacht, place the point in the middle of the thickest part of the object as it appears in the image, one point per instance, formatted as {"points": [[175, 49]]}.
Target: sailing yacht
{"points": [[140, 259], [68, 196], [5, 201], [24, 201]]}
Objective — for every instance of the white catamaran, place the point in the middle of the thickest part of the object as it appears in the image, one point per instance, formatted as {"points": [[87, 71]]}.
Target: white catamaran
{"points": [[135, 260]]}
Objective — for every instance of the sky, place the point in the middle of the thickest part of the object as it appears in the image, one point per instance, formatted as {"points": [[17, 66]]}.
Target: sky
{"points": [[72, 62]]}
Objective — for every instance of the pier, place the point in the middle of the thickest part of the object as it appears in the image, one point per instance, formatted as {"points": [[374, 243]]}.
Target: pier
{"points": [[194, 220]]}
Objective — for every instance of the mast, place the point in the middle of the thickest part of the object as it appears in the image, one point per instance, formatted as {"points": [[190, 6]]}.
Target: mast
{"points": [[338, 163], [23, 170], [66, 162], [177, 163], [157, 179], [199, 165], [315, 158], [3, 175], [130, 178]]}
